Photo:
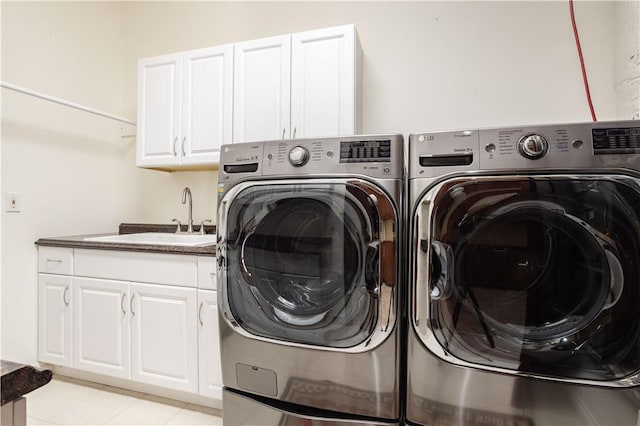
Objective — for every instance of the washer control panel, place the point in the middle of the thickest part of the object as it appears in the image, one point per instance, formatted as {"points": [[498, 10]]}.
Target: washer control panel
{"points": [[616, 140], [367, 151], [533, 146], [298, 156], [376, 156], [369, 155]]}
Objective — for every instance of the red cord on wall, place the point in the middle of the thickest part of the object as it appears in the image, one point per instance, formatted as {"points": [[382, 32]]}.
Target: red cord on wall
{"points": [[584, 72]]}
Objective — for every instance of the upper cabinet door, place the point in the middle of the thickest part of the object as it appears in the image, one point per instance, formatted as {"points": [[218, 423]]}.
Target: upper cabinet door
{"points": [[207, 101], [262, 93], [159, 100], [324, 65]]}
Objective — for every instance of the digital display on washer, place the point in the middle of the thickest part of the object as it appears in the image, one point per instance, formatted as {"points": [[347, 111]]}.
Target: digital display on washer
{"points": [[619, 140], [365, 151]]}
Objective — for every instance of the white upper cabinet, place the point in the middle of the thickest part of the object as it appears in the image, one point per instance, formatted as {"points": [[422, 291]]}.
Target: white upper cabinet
{"points": [[158, 110], [207, 93], [300, 85], [323, 82], [262, 89], [184, 107]]}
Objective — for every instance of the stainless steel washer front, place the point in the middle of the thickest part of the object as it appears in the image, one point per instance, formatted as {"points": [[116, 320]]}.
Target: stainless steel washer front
{"points": [[309, 295]]}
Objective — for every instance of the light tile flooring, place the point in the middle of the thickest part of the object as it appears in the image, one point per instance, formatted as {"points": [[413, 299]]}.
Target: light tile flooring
{"points": [[65, 401]]}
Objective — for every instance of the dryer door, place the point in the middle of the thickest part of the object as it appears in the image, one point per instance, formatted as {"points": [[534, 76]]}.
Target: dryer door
{"points": [[539, 275], [303, 261]]}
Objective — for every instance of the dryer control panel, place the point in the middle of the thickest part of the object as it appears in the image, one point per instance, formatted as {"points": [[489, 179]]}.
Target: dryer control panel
{"points": [[579, 146]]}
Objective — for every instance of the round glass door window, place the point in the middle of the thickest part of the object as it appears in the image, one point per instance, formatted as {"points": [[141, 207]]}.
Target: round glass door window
{"points": [[539, 275], [303, 263]]}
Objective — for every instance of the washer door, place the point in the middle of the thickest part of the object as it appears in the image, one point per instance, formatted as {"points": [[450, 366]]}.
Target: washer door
{"points": [[535, 274], [303, 261]]}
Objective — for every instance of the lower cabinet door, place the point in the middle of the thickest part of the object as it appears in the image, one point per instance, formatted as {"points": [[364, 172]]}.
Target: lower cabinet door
{"points": [[163, 336], [101, 326], [210, 373], [55, 322]]}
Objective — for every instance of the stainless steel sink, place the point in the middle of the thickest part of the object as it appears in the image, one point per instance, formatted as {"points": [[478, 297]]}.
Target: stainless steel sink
{"points": [[158, 238]]}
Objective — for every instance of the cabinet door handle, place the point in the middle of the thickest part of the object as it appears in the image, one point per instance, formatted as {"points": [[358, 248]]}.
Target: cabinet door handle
{"points": [[182, 147], [175, 141], [283, 130], [64, 296], [200, 313], [131, 305], [294, 133], [124, 296]]}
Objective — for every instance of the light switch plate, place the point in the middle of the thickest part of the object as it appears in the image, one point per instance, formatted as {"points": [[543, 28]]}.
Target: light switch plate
{"points": [[12, 202]]}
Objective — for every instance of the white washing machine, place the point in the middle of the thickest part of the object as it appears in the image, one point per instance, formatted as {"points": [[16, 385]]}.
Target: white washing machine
{"points": [[525, 281], [309, 255]]}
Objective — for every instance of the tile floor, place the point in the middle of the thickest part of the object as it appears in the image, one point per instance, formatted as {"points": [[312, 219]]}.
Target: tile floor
{"points": [[66, 401]]}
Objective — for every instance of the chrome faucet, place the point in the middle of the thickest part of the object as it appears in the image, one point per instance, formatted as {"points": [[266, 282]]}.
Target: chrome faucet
{"points": [[185, 193]]}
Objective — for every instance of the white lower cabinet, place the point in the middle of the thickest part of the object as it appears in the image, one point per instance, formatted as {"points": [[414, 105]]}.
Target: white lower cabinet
{"points": [[123, 322], [102, 327], [210, 380], [143, 332], [55, 322], [163, 336]]}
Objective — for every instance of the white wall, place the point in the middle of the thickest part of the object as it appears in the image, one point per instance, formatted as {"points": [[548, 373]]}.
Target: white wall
{"points": [[627, 59], [427, 66], [67, 166]]}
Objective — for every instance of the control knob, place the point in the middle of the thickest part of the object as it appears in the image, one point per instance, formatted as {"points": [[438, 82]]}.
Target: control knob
{"points": [[298, 156], [533, 146]]}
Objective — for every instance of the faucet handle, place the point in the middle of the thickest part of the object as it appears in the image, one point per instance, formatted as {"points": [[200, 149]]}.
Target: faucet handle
{"points": [[202, 225], [178, 230]]}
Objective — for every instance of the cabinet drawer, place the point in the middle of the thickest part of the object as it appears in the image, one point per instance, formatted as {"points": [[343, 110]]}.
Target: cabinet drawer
{"points": [[55, 260], [207, 273], [154, 268]]}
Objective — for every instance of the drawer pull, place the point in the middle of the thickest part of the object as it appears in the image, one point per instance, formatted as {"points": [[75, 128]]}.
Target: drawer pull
{"points": [[56, 261], [200, 313], [64, 296]]}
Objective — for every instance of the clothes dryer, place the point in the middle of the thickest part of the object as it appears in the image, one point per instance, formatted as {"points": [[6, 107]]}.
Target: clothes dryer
{"points": [[309, 254], [525, 288]]}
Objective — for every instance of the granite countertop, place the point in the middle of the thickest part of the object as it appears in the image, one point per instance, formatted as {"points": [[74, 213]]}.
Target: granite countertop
{"points": [[78, 241], [20, 379]]}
